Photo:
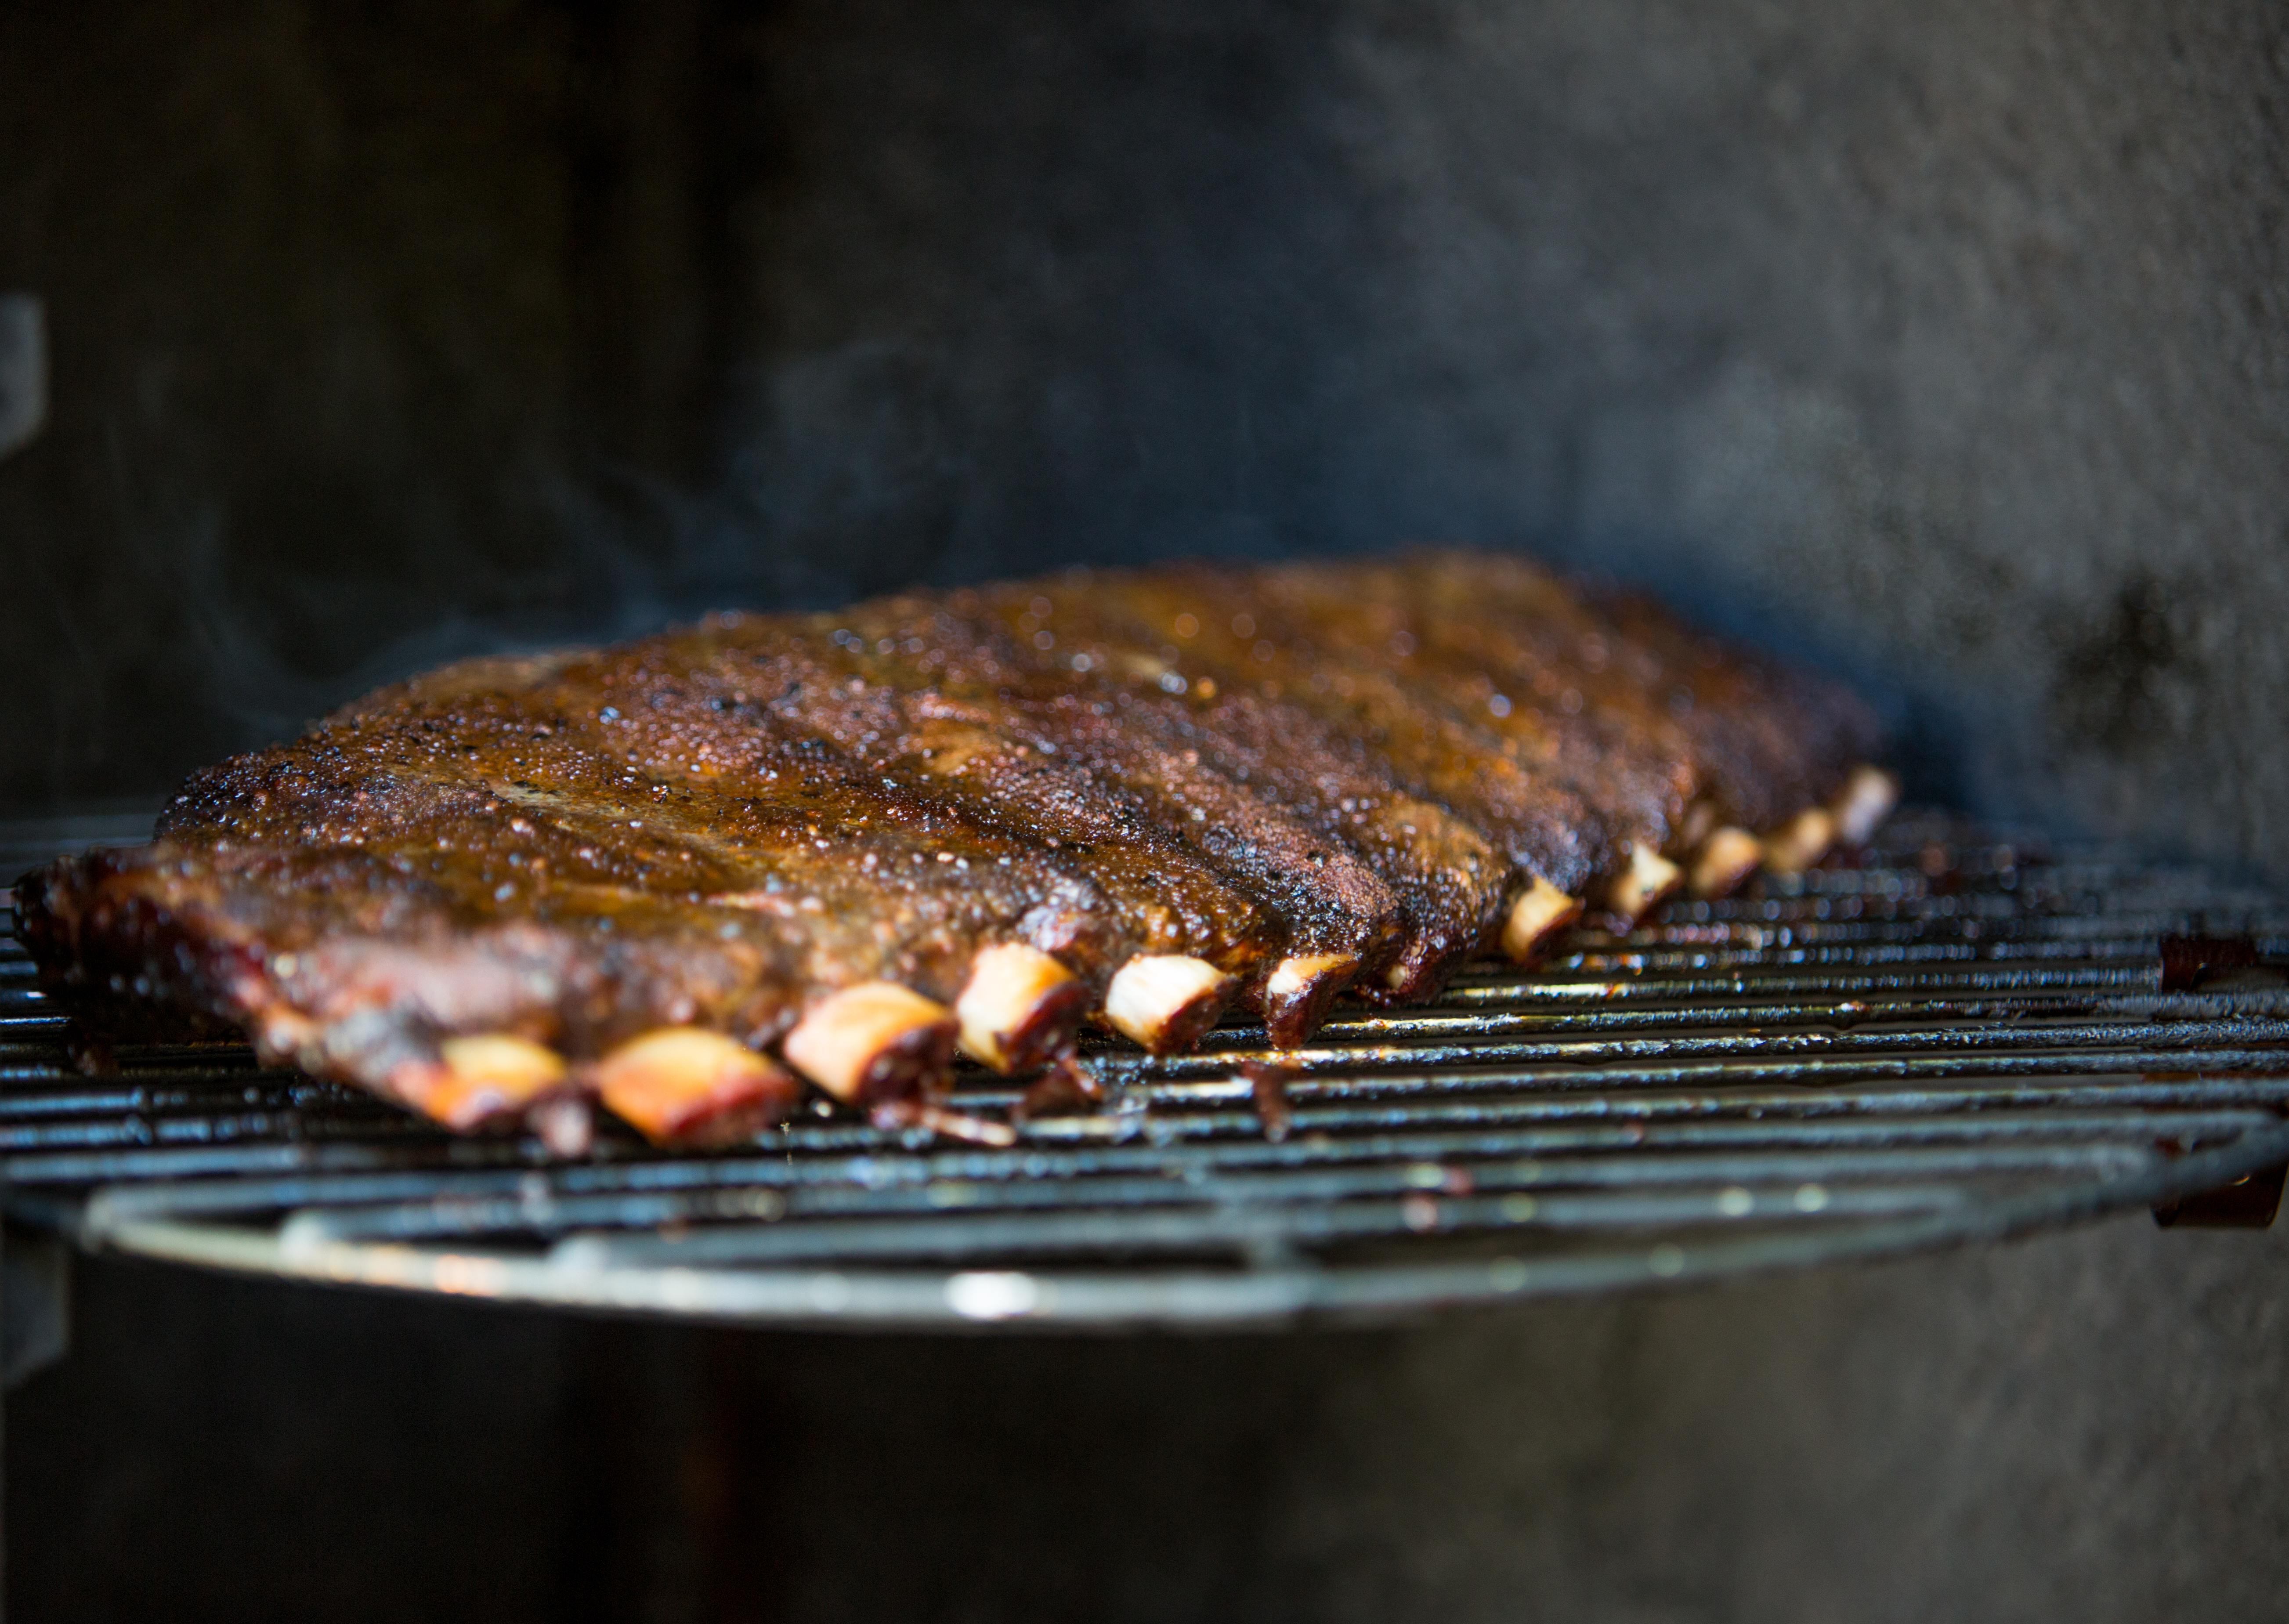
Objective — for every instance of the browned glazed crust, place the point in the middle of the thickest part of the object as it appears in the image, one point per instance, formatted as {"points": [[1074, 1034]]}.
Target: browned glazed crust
{"points": [[1302, 781]]}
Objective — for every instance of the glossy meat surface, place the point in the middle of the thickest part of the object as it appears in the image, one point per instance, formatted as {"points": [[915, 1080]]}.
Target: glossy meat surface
{"points": [[1297, 779]]}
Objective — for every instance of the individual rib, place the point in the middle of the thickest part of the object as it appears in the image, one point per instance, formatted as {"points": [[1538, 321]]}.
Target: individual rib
{"points": [[873, 1043], [1642, 887], [1019, 1008], [1296, 996], [1165, 1002], [482, 1078], [1723, 862], [685, 1085], [1537, 915], [1801, 843]]}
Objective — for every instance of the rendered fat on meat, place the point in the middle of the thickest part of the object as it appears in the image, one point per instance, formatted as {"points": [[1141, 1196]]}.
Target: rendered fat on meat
{"points": [[678, 875]]}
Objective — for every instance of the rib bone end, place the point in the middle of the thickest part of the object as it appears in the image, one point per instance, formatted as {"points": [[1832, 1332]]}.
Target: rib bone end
{"points": [[1019, 1008], [1801, 842], [1166, 1001], [1865, 801], [480, 1078], [1416, 974], [1640, 888], [1537, 915], [872, 1042], [684, 1085], [1725, 858], [1298, 992]]}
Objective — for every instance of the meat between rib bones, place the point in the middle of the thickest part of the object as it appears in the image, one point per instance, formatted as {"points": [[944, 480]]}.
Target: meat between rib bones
{"points": [[689, 875]]}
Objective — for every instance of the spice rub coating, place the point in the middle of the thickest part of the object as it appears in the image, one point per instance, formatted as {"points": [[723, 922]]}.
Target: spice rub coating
{"points": [[503, 889]]}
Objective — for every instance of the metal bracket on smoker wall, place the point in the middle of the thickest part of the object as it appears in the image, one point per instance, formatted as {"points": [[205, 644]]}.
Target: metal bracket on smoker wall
{"points": [[2192, 962], [35, 1303], [2249, 1203], [23, 369]]}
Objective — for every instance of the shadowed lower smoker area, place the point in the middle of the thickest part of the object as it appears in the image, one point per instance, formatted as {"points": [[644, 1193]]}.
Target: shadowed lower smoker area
{"points": [[1939, 346], [668, 874]]}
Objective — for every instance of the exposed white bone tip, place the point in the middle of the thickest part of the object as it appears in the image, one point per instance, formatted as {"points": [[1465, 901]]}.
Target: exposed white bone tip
{"points": [[1298, 991], [1728, 857], [1865, 801], [1306, 972], [1535, 914], [1012, 987], [841, 1044], [1649, 877], [482, 1075], [1160, 999], [681, 1079], [1801, 843]]}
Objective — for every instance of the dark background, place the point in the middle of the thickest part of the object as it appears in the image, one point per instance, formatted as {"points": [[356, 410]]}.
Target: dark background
{"points": [[1942, 343], [2087, 1427]]}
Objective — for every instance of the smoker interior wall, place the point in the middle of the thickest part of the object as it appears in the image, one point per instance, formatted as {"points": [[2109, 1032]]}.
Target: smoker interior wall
{"points": [[1943, 343], [2083, 1427]]}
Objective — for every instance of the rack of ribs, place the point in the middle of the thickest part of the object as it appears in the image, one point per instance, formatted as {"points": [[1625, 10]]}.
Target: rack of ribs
{"points": [[690, 875]]}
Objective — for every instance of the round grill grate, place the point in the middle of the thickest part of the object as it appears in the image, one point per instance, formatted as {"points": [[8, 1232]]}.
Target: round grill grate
{"points": [[1968, 1035]]}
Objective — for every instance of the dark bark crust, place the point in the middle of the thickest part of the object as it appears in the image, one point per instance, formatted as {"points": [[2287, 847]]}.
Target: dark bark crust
{"points": [[724, 824]]}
